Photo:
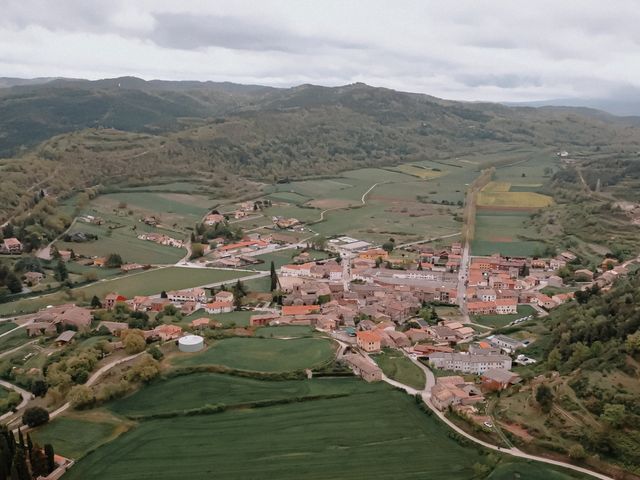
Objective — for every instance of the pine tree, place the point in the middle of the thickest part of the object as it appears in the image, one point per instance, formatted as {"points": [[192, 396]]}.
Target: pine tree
{"points": [[274, 277], [13, 283], [95, 302], [50, 456], [38, 462]]}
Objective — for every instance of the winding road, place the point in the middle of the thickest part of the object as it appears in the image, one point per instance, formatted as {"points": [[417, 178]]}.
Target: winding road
{"points": [[426, 397]]}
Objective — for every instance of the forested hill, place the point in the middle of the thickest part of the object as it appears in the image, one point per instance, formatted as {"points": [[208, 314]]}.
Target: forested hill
{"points": [[33, 111], [596, 349]]}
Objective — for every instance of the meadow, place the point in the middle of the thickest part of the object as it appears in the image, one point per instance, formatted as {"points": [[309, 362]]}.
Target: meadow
{"points": [[504, 232], [196, 390], [398, 367], [238, 318], [74, 436], [328, 438], [263, 355], [150, 282], [500, 195]]}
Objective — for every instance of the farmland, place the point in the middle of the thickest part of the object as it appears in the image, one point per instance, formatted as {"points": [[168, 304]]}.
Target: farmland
{"points": [[328, 438], [501, 195], [506, 232], [145, 283], [199, 389], [263, 355]]}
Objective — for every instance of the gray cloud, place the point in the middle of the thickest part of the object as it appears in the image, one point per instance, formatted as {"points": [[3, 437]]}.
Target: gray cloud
{"points": [[490, 50]]}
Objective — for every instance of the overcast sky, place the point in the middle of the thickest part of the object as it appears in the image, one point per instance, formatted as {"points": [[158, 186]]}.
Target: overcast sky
{"points": [[459, 49]]}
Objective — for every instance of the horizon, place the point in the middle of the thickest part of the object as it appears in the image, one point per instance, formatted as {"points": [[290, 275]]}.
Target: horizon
{"points": [[495, 52]]}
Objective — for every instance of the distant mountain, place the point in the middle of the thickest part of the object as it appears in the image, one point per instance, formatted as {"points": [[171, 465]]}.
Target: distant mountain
{"points": [[32, 111], [623, 103], [7, 82]]}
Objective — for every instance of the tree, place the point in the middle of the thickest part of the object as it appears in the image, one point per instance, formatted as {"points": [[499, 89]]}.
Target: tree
{"points": [[13, 283], [38, 460], [81, 396], [197, 250], [34, 416], [114, 260], [20, 470], [614, 414], [163, 294], [50, 456], [155, 352], [60, 271], [95, 302], [544, 397], [388, 246], [134, 343], [274, 277], [577, 452]]}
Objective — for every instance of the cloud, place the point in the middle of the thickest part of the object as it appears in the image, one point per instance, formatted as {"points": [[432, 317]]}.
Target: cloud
{"points": [[492, 50]]}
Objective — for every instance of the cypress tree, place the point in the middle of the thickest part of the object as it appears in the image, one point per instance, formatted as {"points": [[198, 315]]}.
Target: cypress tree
{"points": [[50, 458], [29, 444], [20, 470], [20, 438], [38, 462], [274, 277]]}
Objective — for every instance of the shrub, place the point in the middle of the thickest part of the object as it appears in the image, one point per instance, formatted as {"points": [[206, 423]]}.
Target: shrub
{"points": [[34, 416]]}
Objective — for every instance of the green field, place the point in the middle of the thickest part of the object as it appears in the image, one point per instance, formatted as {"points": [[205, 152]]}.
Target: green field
{"points": [[74, 437], [196, 390], [375, 432], [284, 331], [504, 232], [238, 318], [263, 355], [7, 326], [145, 283], [13, 339], [398, 367], [498, 321]]}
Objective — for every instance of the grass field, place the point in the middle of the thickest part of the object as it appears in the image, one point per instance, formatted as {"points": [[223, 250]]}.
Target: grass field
{"points": [[195, 390], [375, 432], [74, 437], [499, 194], [498, 321], [398, 367], [285, 331], [263, 355], [6, 326], [238, 318], [504, 232], [145, 283], [13, 339]]}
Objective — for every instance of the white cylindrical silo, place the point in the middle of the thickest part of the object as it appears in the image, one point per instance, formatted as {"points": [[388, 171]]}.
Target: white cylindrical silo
{"points": [[191, 343]]}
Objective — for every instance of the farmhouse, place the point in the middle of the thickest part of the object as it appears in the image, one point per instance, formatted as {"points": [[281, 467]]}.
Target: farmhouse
{"points": [[498, 379], [164, 332], [111, 299], [362, 366], [11, 246], [263, 319], [218, 307], [213, 218], [452, 391], [369, 341]]}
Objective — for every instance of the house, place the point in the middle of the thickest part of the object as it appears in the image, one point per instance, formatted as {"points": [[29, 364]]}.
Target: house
{"points": [[114, 327], [65, 255], [130, 267], [165, 332], [452, 391], [11, 246], [506, 306], [544, 301], [481, 308], [467, 363], [224, 296], [374, 254], [33, 278], [65, 337], [263, 319], [41, 328], [68, 315], [486, 294], [200, 323], [140, 303], [213, 218], [498, 379], [442, 333], [295, 310], [369, 341], [506, 343], [111, 299], [399, 338], [295, 270], [364, 367], [198, 295], [218, 307], [583, 275]]}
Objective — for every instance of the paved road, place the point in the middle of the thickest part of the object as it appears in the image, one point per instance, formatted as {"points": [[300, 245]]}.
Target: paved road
{"points": [[427, 240], [426, 397], [26, 396], [463, 276]]}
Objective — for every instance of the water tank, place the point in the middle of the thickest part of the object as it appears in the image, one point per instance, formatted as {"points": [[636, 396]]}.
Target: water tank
{"points": [[191, 343]]}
